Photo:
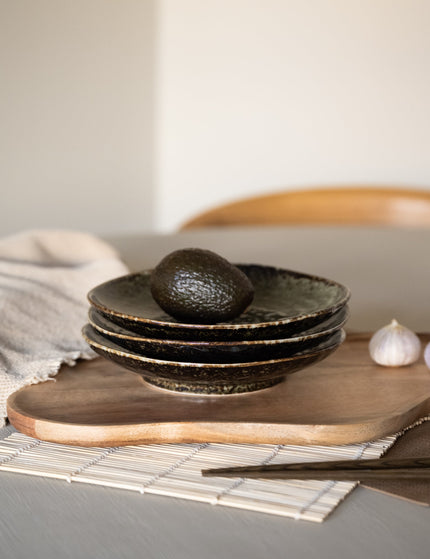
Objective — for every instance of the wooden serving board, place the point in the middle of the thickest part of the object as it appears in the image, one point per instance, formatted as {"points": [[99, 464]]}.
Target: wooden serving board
{"points": [[344, 399]]}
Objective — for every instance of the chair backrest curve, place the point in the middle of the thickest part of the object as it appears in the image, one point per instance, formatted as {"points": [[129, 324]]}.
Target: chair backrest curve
{"points": [[329, 206]]}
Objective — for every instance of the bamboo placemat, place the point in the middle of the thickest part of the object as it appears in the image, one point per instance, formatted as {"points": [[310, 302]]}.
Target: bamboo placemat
{"points": [[174, 470]]}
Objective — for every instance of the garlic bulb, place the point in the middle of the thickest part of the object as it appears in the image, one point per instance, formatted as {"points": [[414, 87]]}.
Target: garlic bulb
{"points": [[427, 355], [394, 346]]}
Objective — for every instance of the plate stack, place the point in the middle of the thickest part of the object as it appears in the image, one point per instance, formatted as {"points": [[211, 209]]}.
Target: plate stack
{"points": [[294, 321]]}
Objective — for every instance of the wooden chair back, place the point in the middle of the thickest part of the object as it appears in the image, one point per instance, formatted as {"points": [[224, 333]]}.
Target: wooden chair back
{"points": [[333, 206]]}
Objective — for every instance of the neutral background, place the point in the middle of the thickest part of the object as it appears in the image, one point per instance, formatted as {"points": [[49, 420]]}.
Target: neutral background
{"points": [[132, 116]]}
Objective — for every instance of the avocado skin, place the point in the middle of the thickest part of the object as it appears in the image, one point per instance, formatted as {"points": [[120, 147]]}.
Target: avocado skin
{"points": [[199, 286]]}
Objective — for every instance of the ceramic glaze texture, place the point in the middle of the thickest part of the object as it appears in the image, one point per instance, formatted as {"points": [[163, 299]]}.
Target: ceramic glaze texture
{"points": [[211, 378], [285, 303], [217, 351]]}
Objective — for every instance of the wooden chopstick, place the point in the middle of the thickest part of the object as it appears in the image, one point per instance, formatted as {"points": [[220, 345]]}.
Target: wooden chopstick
{"points": [[342, 470]]}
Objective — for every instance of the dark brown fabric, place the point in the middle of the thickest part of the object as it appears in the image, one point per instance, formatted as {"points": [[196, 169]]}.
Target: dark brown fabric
{"points": [[412, 444]]}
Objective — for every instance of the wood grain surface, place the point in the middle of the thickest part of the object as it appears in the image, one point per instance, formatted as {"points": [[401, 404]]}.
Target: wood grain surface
{"points": [[342, 205], [344, 399]]}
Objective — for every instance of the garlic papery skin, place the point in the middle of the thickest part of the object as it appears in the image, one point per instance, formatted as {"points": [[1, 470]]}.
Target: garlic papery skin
{"points": [[394, 345], [427, 355]]}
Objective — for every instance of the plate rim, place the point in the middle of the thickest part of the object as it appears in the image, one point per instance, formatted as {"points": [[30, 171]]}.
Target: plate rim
{"points": [[141, 358], [225, 325], [134, 337]]}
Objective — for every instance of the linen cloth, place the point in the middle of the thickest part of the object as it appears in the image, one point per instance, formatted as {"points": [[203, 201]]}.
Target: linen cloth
{"points": [[45, 276]]}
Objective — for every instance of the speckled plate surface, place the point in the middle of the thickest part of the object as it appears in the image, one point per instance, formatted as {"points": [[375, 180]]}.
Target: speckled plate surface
{"points": [[210, 378], [217, 351], [285, 303]]}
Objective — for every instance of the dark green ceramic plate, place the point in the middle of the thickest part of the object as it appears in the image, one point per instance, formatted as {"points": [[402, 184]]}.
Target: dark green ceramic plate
{"points": [[285, 303], [216, 351], [210, 378]]}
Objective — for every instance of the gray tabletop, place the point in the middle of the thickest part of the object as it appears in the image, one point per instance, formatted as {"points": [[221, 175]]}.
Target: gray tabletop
{"points": [[389, 276]]}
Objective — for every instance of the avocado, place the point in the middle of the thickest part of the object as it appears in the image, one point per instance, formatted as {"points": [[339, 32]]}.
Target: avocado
{"points": [[199, 286]]}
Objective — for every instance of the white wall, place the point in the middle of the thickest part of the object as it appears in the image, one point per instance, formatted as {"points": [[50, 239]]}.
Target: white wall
{"points": [[259, 95], [76, 114], [128, 115]]}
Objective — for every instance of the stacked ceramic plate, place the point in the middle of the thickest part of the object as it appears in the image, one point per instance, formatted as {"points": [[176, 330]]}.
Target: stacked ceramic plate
{"points": [[294, 321]]}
